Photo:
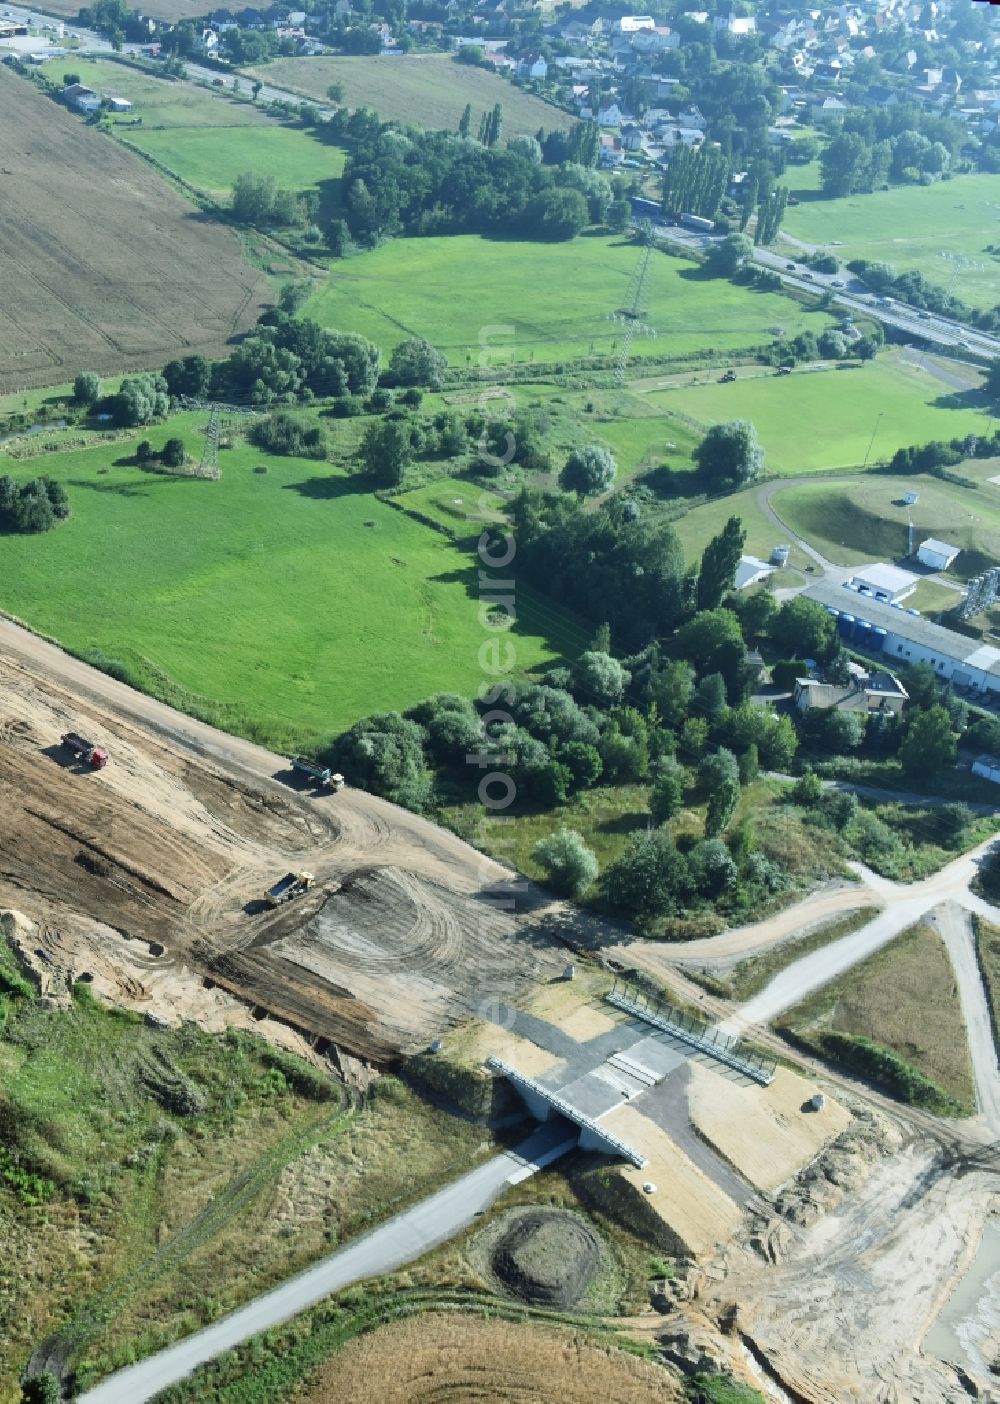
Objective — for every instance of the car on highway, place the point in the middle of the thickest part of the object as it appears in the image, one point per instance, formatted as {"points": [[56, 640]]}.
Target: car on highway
{"points": [[805, 273], [790, 267], [837, 283]]}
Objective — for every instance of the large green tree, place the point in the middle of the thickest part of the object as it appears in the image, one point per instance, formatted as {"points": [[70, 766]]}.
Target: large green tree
{"points": [[386, 450], [719, 562], [929, 746], [729, 455], [589, 470]]}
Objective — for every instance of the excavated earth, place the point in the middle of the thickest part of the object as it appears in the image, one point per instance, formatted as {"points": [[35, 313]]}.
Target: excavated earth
{"points": [[160, 861], [548, 1257]]}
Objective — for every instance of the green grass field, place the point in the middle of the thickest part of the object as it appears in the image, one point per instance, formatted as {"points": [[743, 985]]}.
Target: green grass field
{"points": [[284, 605], [817, 420], [940, 229], [697, 527], [490, 301], [206, 139], [429, 90], [866, 519]]}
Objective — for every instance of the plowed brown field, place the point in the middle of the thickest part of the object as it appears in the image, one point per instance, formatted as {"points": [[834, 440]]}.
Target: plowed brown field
{"points": [[103, 267]]}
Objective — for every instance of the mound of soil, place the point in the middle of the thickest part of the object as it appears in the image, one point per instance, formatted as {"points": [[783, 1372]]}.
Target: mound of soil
{"points": [[548, 1257]]}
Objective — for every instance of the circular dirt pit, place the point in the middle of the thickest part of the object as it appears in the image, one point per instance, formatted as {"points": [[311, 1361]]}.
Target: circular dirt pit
{"points": [[547, 1256]]}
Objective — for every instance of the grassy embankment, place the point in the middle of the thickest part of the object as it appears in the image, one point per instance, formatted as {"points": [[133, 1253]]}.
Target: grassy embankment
{"points": [[895, 1020]]}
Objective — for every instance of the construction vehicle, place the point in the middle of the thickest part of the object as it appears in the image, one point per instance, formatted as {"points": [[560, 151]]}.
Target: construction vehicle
{"points": [[726, 377], [320, 774], [94, 756], [291, 885]]}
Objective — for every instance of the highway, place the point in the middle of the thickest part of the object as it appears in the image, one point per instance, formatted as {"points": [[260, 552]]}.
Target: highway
{"points": [[401, 1240], [952, 337]]}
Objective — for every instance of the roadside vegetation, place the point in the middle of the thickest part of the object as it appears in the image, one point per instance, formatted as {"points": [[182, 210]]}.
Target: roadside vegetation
{"points": [[749, 977], [988, 953], [894, 1020]]}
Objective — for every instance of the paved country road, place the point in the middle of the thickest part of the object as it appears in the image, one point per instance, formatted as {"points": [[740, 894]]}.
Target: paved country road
{"points": [[403, 1239]]}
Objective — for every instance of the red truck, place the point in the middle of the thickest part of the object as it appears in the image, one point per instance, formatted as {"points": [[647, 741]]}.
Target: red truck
{"points": [[94, 756]]}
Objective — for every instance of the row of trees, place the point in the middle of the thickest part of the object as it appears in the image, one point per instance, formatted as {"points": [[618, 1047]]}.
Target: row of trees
{"points": [[696, 181], [418, 182]]}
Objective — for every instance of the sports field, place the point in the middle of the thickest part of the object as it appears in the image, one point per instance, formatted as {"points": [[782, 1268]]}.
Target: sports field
{"points": [[429, 90], [942, 230], [865, 519], [292, 601], [824, 419], [206, 139], [487, 301]]}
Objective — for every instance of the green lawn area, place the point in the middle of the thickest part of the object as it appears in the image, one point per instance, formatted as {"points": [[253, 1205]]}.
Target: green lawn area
{"points": [[697, 527], [940, 229], [212, 157], [865, 518], [491, 301], [206, 139], [816, 420], [429, 90], [282, 605]]}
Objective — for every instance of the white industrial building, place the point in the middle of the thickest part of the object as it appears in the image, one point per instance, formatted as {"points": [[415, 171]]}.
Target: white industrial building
{"points": [[751, 571], [936, 554], [897, 635], [988, 767], [884, 582]]}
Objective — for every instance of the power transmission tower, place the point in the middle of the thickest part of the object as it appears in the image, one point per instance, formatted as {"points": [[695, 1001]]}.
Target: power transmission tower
{"points": [[633, 299], [209, 466]]}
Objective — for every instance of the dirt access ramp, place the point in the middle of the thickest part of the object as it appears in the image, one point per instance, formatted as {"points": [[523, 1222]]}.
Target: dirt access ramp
{"points": [[406, 932]]}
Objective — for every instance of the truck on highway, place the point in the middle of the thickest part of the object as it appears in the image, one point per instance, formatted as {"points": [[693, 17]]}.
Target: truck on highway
{"points": [[291, 885], [693, 221], [319, 774], [94, 756]]}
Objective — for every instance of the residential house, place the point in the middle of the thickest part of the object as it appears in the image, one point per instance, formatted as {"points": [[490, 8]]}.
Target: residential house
{"points": [[655, 41], [632, 24], [532, 66], [878, 691], [610, 115], [830, 107], [118, 104], [681, 136], [631, 137], [611, 154], [207, 42], [692, 117], [739, 26]]}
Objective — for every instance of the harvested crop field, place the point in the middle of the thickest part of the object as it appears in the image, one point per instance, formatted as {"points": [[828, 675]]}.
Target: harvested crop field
{"points": [[449, 1357], [429, 90], [164, 856], [103, 266]]}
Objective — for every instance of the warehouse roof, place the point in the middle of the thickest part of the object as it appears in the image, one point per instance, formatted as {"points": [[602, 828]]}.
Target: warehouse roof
{"points": [[946, 642], [887, 577]]}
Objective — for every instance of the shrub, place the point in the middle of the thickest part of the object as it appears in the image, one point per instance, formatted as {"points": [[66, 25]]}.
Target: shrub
{"points": [[569, 865]]}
